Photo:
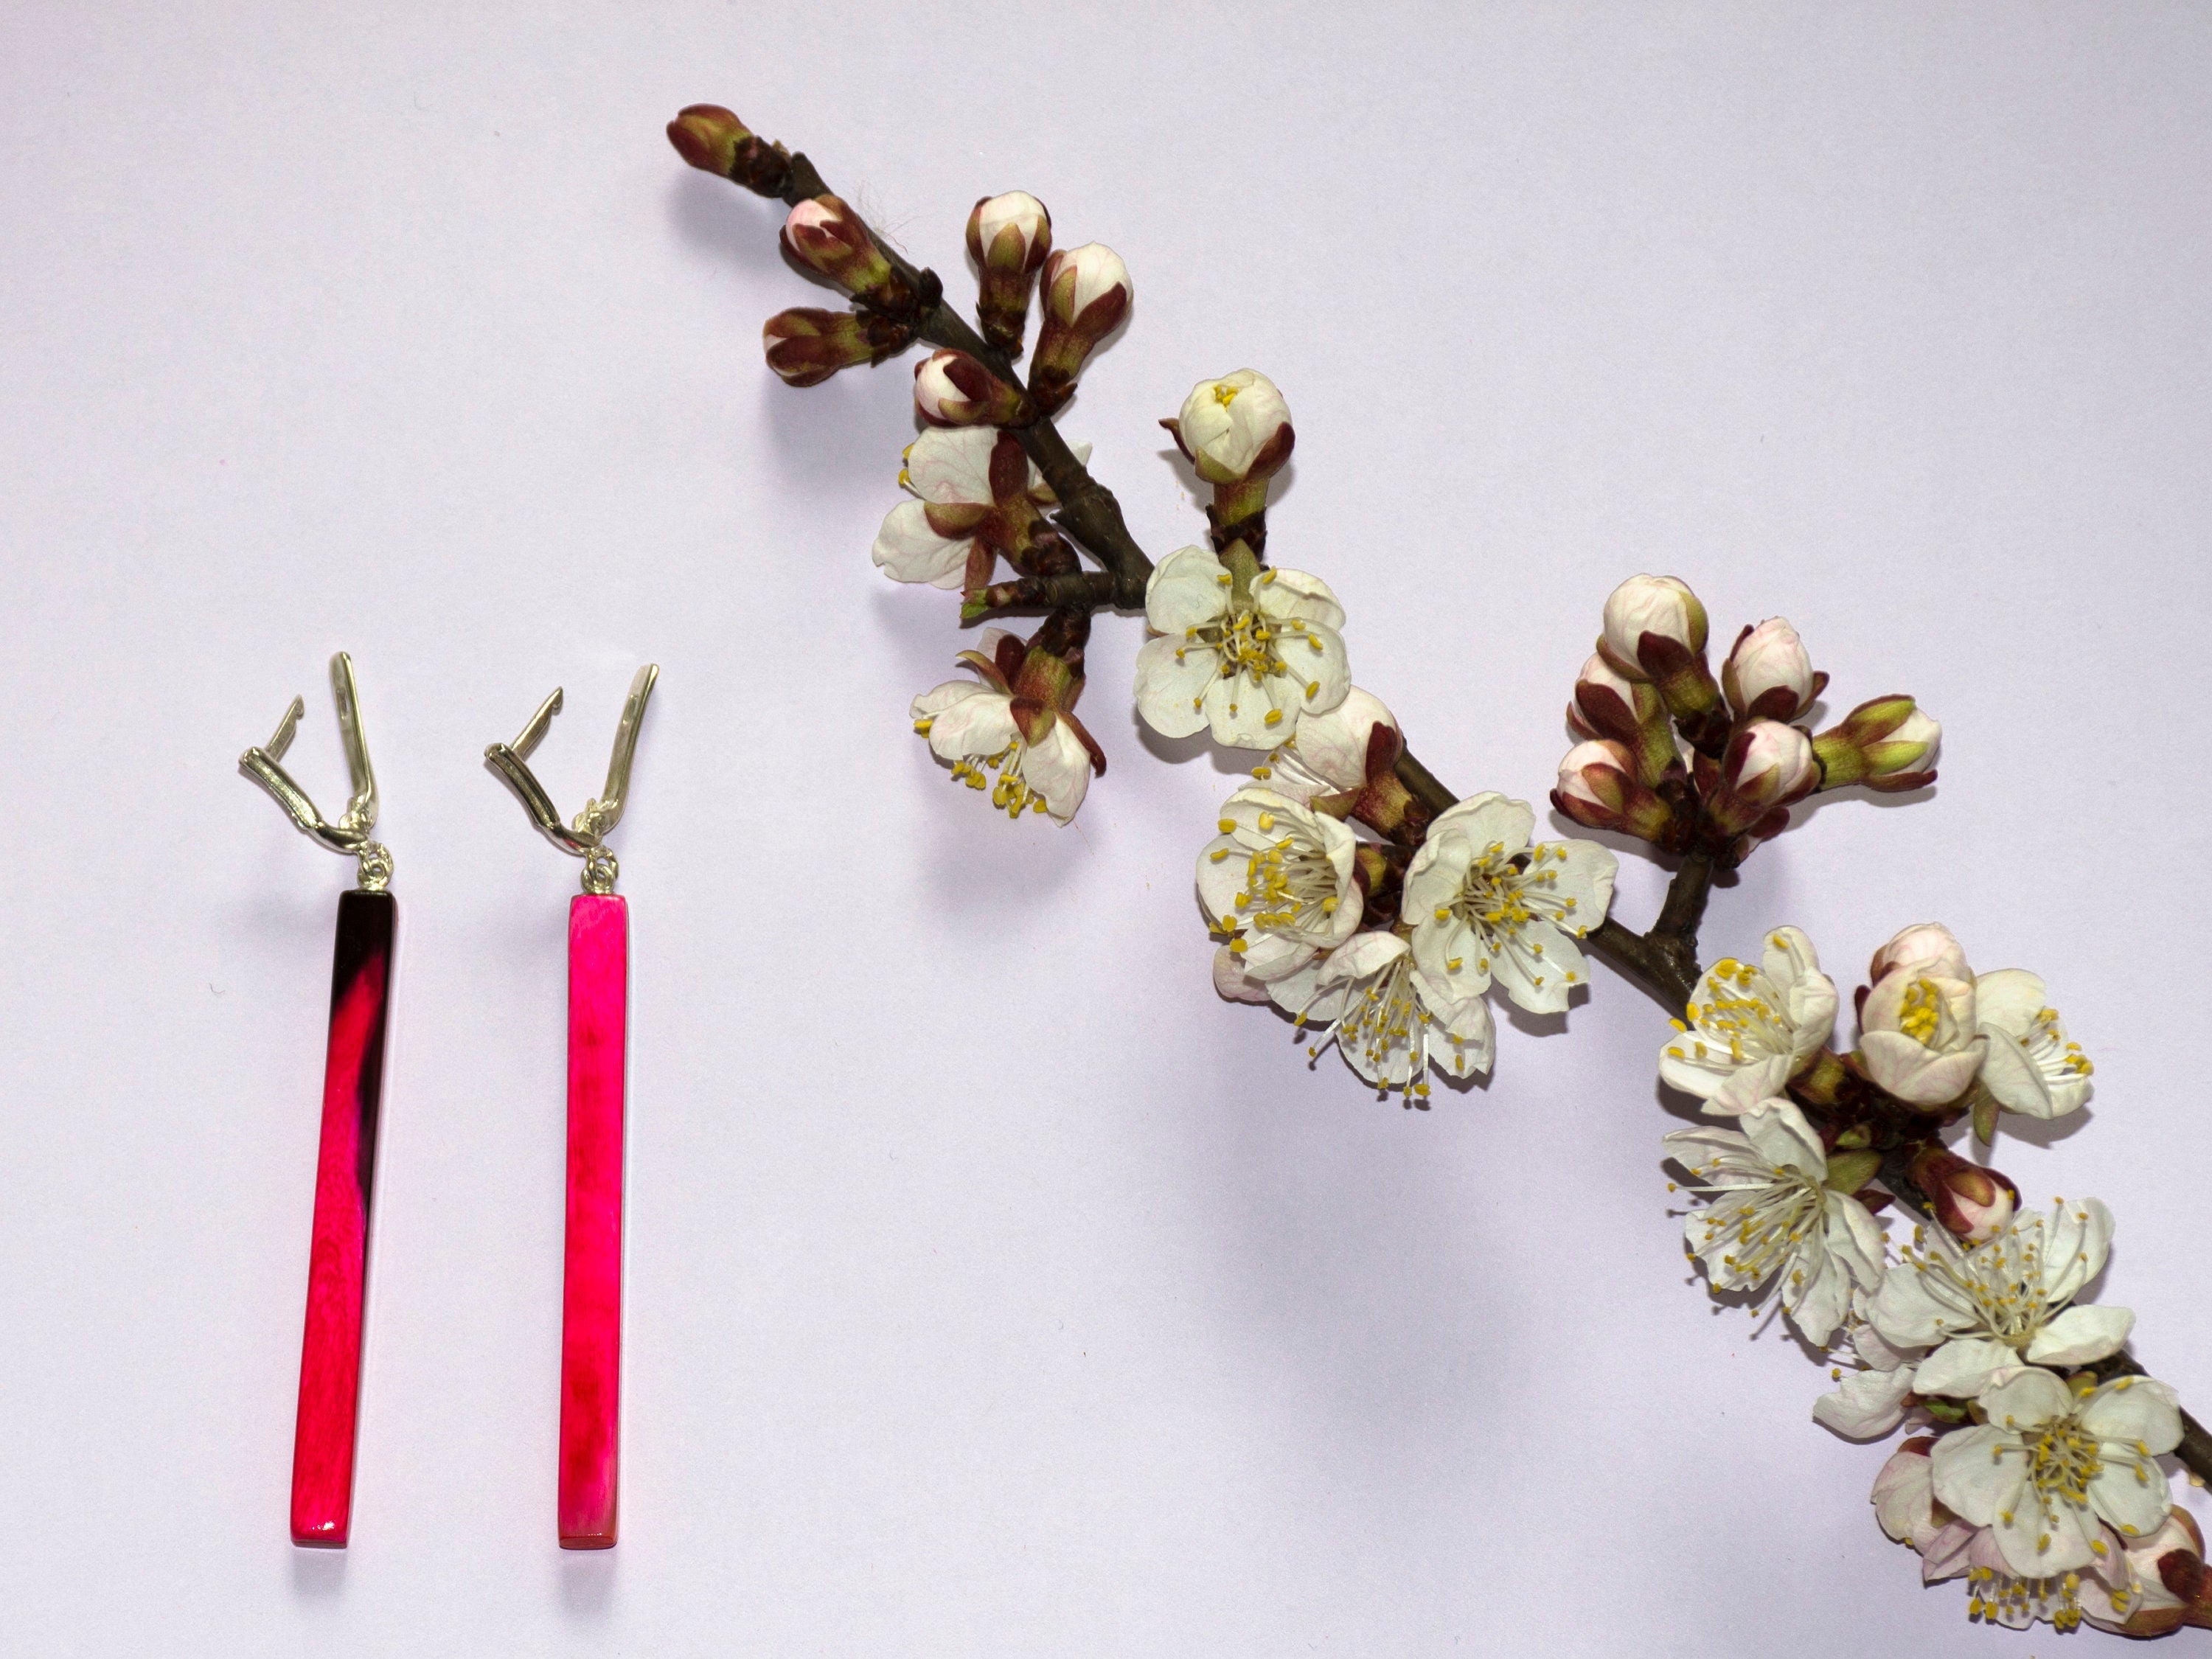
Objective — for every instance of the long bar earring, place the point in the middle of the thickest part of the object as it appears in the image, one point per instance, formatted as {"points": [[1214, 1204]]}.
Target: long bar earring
{"points": [[353, 1093], [598, 1009]]}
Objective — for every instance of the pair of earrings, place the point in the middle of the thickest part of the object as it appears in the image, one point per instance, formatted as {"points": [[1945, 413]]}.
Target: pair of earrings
{"points": [[353, 1092]]}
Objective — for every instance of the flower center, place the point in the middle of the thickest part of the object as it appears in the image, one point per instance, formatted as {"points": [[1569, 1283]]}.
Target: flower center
{"points": [[2002, 1598], [1224, 393], [2055, 1059], [1922, 1011], [2000, 1281], [1248, 641], [1743, 1021], [1762, 1226], [1502, 895], [1289, 886], [1010, 791]]}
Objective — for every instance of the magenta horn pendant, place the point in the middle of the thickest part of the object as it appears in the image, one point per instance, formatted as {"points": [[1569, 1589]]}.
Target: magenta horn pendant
{"points": [[353, 1093], [599, 1020]]}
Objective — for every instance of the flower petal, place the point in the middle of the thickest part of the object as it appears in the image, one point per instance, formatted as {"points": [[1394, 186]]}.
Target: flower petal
{"points": [[1172, 683], [1866, 1406], [1058, 767], [1979, 1472], [1185, 591], [2080, 1334], [1487, 819], [1294, 593], [952, 465], [2027, 1400], [2131, 1409], [910, 552], [1963, 1368]]}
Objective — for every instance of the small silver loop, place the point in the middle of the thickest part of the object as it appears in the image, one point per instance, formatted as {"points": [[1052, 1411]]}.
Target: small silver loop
{"points": [[376, 866], [600, 870]]}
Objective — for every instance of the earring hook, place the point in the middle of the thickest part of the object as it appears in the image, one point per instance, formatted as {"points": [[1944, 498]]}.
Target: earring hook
{"points": [[349, 834], [586, 838]]}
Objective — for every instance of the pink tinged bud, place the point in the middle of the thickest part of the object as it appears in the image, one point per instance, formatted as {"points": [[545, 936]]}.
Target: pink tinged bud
{"points": [[1009, 237], [1598, 787], [952, 388], [829, 238], [1655, 630], [1657, 616], [1973, 1202], [1768, 676], [806, 346], [1884, 744], [1086, 295], [1767, 767]]}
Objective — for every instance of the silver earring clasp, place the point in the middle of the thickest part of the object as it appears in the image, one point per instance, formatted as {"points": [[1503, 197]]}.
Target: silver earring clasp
{"points": [[586, 837], [349, 834]]}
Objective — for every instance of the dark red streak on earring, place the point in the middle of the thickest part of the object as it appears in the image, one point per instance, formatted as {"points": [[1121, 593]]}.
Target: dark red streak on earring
{"points": [[591, 1322], [337, 1261]]}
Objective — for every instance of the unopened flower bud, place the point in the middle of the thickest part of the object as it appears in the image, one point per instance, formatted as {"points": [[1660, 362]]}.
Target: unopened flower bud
{"points": [[807, 345], [1972, 1201], [1768, 674], [1085, 296], [952, 388], [1236, 431], [1655, 630], [1767, 767], [1659, 609], [829, 238], [1598, 787], [1609, 704], [2173, 1587], [1009, 237], [1882, 743], [715, 141]]}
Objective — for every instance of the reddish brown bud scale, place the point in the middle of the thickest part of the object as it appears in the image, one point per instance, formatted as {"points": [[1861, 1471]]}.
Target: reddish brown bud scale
{"points": [[714, 140], [806, 345], [1971, 1201]]}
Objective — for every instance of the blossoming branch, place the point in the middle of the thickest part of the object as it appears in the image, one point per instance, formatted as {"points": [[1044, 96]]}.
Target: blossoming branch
{"points": [[1348, 889]]}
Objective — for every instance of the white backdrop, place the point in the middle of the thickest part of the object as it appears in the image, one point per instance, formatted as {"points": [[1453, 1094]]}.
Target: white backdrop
{"points": [[993, 1288]]}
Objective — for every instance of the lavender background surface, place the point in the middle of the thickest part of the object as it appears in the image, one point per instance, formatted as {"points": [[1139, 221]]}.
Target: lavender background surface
{"points": [[992, 1288]]}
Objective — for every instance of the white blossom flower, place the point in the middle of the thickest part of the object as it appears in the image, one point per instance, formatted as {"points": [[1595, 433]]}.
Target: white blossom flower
{"points": [[2005, 1301], [1486, 905], [1241, 650], [1918, 1035], [1771, 1218], [2030, 1066], [1278, 879], [2104, 1593], [1870, 1401], [2048, 1470], [1234, 428], [979, 492], [1331, 753], [1017, 723], [1390, 1021], [1751, 1029]]}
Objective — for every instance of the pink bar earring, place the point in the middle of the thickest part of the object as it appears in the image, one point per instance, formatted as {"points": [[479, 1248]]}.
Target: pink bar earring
{"points": [[352, 1095], [598, 1009]]}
